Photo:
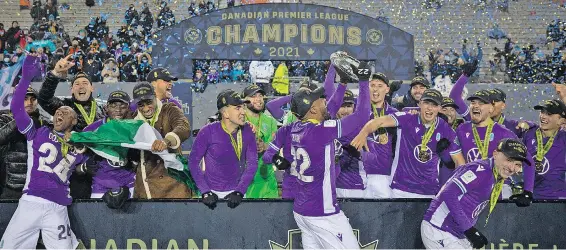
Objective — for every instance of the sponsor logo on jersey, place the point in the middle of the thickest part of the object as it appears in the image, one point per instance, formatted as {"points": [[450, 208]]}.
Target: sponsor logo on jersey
{"points": [[473, 154]]}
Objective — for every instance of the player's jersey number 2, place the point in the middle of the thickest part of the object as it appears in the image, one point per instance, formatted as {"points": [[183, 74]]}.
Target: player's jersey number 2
{"points": [[300, 154], [62, 168]]}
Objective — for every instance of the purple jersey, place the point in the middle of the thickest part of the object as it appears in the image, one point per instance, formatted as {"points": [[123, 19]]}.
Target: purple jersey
{"points": [[550, 179], [411, 174], [351, 173], [110, 175], [48, 171], [467, 143], [313, 150], [379, 159], [457, 206], [222, 170], [511, 125], [282, 141]]}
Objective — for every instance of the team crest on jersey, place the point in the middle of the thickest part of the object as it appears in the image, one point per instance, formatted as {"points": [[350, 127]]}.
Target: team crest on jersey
{"points": [[473, 154], [533, 142], [437, 136], [416, 151], [479, 208], [491, 137]]}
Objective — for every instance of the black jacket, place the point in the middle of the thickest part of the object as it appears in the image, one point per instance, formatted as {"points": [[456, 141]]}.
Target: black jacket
{"points": [[406, 101], [14, 160], [50, 103]]}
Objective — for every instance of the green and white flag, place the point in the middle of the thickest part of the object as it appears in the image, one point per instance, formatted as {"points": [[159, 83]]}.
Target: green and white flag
{"points": [[113, 139]]}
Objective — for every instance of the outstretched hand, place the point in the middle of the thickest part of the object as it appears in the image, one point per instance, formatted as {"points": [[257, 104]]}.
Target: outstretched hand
{"points": [[360, 142]]}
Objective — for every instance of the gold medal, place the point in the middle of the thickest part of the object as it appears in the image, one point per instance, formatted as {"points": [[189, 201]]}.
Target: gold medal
{"points": [[424, 156], [383, 138], [538, 166]]}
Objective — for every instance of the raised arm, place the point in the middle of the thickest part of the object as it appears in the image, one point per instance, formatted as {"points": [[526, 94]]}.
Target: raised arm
{"points": [[456, 95], [251, 160], [24, 122], [200, 146], [274, 106], [335, 102], [329, 87], [46, 97]]}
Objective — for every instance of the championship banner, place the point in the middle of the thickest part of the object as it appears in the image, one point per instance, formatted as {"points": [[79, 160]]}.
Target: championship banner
{"points": [[189, 224], [283, 31]]}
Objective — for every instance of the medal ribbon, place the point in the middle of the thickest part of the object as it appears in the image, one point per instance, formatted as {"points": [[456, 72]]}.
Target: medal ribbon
{"points": [[495, 192], [427, 136], [90, 117], [64, 145], [501, 120], [542, 150], [313, 121], [483, 145], [380, 114], [236, 144], [454, 124]]}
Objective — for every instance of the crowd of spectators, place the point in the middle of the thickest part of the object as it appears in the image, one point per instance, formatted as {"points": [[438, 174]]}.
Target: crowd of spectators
{"points": [[528, 64]]}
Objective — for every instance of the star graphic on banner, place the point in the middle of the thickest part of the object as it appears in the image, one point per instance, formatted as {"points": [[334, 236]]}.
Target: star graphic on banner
{"points": [[291, 234]]}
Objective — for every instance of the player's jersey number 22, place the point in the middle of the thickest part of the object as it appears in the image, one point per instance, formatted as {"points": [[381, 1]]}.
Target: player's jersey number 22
{"points": [[300, 154], [61, 169]]}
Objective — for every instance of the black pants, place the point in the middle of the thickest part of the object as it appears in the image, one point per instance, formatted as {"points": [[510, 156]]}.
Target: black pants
{"points": [[81, 186]]}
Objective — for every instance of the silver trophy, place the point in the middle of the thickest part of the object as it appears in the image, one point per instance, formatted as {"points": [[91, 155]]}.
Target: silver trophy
{"points": [[346, 67]]}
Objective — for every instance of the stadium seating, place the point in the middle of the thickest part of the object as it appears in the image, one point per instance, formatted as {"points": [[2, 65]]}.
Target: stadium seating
{"points": [[525, 22]]}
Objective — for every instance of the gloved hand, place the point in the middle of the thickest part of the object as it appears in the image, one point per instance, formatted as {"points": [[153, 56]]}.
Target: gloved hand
{"points": [[280, 162], [209, 199], [477, 239], [522, 200], [352, 151], [91, 165], [234, 199], [116, 199], [394, 86], [471, 67], [363, 71], [442, 145]]}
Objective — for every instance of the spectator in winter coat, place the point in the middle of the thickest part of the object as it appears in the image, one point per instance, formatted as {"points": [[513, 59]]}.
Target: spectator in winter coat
{"points": [[131, 16], [14, 160], [92, 68], [11, 39], [110, 73], [146, 20], [166, 17], [144, 66]]}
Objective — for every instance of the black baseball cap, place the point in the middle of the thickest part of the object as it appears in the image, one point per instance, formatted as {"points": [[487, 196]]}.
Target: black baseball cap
{"points": [[160, 73], [302, 101], [31, 91], [229, 97], [252, 89], [143, 91], [306, 83], [482, 95], [380, 76], [553, 107], [497, 95], [81, 75], [432, 95], [119, 96], [449, 102], [420, 80], [348, 97], [514, 149]]}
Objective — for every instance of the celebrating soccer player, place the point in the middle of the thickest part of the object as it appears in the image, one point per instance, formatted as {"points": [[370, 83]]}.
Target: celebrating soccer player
{"points": [[315, 208], [424, 138], [545, 143], [110, 176], [479, 137], [227, 146], [450, 219], [43, 206]]}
